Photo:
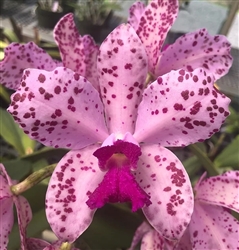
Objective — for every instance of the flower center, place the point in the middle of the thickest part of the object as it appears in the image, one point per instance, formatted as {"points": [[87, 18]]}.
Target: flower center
{"points": [[119, 184]]}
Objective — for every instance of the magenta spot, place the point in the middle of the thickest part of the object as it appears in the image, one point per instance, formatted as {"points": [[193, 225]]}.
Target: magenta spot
{"points": [[178, 106], [130, 96], [41, 78], [167, 189], [157, 158], [128, 66], [111, 84], [185, 94], [57, 90], [165, 110]]}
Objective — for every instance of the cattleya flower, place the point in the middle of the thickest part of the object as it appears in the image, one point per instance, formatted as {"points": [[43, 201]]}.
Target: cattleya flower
{"points": [[191, 51], [77, 53], [7, 200], [211, 227], [117, 137], [24, 215]]}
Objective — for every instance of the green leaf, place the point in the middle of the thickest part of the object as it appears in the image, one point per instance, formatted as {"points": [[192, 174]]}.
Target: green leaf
{"points": [[18, 169], [3, 93], [13, 135], [52, 154], [112, 228], [229, 157], [192, 165]]}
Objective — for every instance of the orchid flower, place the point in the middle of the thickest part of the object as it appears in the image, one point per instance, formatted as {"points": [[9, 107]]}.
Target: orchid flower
{"points": [[77, 53], [211, 226], [118, 136], [7, 200], [191, 51]]}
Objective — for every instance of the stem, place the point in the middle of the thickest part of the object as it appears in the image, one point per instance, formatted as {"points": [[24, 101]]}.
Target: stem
{"points": [[203, 158], [216, 147], [33, 179]]}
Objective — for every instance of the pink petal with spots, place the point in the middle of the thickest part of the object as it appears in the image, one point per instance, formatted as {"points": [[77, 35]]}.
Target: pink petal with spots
{"points": [[185, 242], [135, 13], [36, 244], [6, 219], [122, 69], [76, 176], [197, 50], [180, 108], [220, 190], [154, 25], [6, 205], [153, 241], [139, 233], [59, 108], [24, 215], [164, 179], [22, 56], [78, 53], [212, 227]]}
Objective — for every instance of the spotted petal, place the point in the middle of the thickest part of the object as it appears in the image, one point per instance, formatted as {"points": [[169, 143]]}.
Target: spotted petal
{"points": [[139, 233], [6, 205], [155, 22], [164, 179], [24, 215], [197, 50], [78, 53], [220, 190], [37, 244], [180, 108], [6, 213], [135, 13], [153, 241], [122, 69], [59, 108], [212, 227], [22, 56], [75, 177]]}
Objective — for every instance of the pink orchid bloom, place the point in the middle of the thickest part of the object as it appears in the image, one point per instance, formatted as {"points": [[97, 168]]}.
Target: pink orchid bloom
{"points": [[211, 226], [78, 53], [191, 51], [118, 137], [7, 200]]}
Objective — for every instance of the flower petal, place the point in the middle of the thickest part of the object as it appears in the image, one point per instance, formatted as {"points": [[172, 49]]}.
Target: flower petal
{"points": [[164, 179], [122, 69], [139, 233], [154, 25], [75, 177], [197, 50], [220, 190], [153, 241], [180, 108], [78, 53], [212, 227], [59, 108], [6, 219], [24, 215], [36, 244], [135, 13], [185, 242], [22, 56]]}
